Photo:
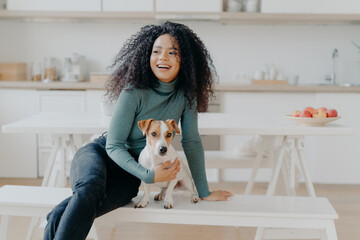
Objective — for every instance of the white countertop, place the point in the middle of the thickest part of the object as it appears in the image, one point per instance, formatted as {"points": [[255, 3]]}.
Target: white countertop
{"points": [[209, 124], [223, 87]]}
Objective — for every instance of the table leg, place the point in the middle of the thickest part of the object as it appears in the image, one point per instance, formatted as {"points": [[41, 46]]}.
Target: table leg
{"points": [[329, 233], [299, 145], [59, 147], [295, 145], [255, 168], [62, 152], [33, 225], [292, 166], [285, 174], [277, 168], [4, 227], [51, 161]]}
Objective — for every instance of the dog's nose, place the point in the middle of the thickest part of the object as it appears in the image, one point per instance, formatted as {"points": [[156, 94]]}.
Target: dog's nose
{"points": [[163, 150]]}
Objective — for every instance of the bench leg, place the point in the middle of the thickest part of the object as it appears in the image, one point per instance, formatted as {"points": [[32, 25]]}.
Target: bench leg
{"points": [[329, 233], [5, 227]]}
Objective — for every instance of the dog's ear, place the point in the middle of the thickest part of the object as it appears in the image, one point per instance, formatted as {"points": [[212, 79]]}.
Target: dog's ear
{"points": [[144, 125], [172, 123]]}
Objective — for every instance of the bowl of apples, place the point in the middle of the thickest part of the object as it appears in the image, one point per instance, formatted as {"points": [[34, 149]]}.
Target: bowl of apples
{"points": [[310, 116]]}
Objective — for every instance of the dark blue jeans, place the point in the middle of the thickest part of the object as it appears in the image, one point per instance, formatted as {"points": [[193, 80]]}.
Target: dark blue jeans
{"points": [[99, 186]]}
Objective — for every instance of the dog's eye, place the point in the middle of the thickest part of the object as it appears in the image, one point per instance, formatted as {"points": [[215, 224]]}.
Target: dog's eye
{"points": [[153, 134], [168, 135]]}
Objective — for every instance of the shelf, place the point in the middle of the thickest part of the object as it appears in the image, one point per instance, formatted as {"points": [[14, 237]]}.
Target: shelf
{"points": [[72, 15], [293, 18], [238, 17]]}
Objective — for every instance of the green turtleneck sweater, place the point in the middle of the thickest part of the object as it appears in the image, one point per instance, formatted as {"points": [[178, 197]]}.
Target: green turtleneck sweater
{"points": [[161, 103]]}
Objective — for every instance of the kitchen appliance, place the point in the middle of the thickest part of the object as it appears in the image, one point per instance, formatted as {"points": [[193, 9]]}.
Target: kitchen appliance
{"points": [[74, 68], [234, 6]]}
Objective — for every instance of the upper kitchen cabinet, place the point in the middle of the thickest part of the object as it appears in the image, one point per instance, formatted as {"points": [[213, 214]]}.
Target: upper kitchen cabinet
{"points": [[311, 6], [54, 5], [128, 6], [271, 11], [189, 6]]}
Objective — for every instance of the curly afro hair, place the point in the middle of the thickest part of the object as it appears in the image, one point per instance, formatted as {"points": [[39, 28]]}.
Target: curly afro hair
{"points": [[132, 64]]}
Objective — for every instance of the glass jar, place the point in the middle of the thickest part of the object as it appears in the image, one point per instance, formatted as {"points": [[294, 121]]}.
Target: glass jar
{"points": [[49, 69], [36, 71]]}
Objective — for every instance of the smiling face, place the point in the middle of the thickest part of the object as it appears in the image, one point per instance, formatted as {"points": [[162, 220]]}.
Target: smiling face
{"points": [[165, 59]]}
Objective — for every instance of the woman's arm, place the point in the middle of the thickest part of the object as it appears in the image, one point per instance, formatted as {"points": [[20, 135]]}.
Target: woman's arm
{"points": [[120, 127], [194, 152]]}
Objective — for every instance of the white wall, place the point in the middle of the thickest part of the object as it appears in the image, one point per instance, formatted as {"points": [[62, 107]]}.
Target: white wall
{"points": [[235, 48]]}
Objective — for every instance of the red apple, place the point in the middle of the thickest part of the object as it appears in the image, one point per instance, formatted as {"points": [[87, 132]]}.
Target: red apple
{"points": [[319, 113], [296, 114], [323, 108], [305, 114], [309, 109], [332, 113]]}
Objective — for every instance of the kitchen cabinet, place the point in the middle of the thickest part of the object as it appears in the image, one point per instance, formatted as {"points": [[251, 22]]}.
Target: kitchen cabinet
{"points": [[94, 99], [128, 5], [188, 6], [225, 17], [336, 159], [311, 6], [331, 159], [54, 5], [18, 152]]}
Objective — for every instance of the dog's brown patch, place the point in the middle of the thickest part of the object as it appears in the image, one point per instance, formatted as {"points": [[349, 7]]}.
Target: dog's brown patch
{"points": [[152, 129], [154, 132], [172, 125]]}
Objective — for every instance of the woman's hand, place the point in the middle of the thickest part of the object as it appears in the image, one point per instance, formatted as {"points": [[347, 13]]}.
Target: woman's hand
{"points": [[167, 171], [218, 196]]}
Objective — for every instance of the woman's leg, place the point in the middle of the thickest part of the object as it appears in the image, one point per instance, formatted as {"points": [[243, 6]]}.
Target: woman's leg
{"points": [[99, 186]]}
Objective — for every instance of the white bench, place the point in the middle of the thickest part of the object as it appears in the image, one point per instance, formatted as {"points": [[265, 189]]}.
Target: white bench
{"points": [[301, 213]]}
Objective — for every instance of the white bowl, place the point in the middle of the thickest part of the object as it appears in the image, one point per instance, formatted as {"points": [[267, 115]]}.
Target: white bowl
{"points": [[303, 121]]}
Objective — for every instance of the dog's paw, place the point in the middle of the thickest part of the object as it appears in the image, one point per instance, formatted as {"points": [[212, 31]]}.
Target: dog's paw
{"points": [[159, 197], [195, 199], [168, 205], [141, 204]]}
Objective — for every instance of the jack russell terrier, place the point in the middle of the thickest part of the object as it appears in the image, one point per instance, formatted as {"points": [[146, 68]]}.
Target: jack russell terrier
{"points": [[159, 150]]}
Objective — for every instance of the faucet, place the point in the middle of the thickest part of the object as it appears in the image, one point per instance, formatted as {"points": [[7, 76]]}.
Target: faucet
{"points": [[335, 54]]}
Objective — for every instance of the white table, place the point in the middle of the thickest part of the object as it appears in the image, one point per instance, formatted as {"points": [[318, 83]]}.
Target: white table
{"points": [[67, 128]]}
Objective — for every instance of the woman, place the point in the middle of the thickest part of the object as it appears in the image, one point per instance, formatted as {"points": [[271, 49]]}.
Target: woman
{"points": [[162, 72]]}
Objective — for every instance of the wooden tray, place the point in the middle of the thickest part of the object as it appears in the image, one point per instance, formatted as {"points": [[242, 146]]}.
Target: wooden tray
{"points": [[270, 82], [13, 71]]}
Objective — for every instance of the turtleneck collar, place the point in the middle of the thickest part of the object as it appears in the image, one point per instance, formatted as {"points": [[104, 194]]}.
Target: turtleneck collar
{"points": [[166, 87]]}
